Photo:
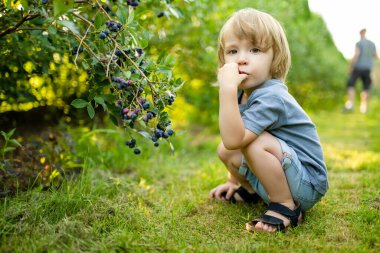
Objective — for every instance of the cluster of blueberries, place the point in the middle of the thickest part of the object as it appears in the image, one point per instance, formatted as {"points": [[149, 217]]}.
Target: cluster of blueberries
{"points": [[170, 99], [132, 144], [112, 26], [159, 132], [121, 83]]}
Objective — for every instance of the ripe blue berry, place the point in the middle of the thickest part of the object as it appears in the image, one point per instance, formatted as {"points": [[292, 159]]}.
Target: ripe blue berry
{"points": [[161, 14], [146, 105], [170, 132], [102, 35], [137, 151]]}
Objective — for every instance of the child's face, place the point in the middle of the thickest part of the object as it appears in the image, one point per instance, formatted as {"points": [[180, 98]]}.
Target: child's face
{"points": [[250, 59]]}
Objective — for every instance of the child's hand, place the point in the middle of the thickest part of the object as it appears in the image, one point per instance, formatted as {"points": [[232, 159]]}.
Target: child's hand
{"points": [[229, 76], [224, 191]]}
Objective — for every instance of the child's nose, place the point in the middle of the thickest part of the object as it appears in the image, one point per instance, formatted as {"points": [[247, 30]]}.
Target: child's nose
{"points": [[242, 59]]}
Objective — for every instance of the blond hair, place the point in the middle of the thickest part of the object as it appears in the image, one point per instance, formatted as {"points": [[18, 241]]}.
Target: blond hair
{"points": [[264, 32]]}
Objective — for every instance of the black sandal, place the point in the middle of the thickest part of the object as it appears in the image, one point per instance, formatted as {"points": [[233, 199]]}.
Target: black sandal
{"points": [[250, 198], [292, 215]]}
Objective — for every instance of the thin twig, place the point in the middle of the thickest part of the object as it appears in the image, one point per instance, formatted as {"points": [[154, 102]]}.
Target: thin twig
{"points": [[19, 23]]}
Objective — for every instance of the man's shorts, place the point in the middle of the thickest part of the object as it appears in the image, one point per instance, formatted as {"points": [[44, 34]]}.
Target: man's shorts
{"points": [[364, 74], [298, 179]]}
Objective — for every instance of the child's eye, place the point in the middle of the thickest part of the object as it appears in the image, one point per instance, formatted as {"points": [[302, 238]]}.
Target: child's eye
{"points": [[255, 50], [232, 51]]}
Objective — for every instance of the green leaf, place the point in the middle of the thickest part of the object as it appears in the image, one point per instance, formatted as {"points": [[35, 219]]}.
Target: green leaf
{"points": [[52, 30], [61, 7], [100, 101], [79, 103], [25, 4], [15, 142], [8, 149], [121, 15], [145, 134], [143, 43], [99, 21], [175, 12], [70, 25], [10, 133], [90, 110], [131, 15], [4, 135], [8, 3]]}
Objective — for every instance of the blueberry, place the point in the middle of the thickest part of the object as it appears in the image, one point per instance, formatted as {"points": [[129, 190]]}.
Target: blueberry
{"points": [[161, 14], [156, 144], [44, 1], [137, 151], [170, 132], [106, 32], [146, 105], [102, 35], [133, 116]]}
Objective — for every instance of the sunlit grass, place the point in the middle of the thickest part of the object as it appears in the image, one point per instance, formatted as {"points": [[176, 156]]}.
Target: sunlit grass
{"points": [[158, 201]]}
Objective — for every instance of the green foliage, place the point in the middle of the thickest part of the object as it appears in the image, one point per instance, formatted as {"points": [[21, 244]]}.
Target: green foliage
{"points": [[107, 42], [9, 145]]}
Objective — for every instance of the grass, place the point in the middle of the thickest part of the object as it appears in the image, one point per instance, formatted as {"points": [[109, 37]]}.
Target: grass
{"points": [[158, 202]]}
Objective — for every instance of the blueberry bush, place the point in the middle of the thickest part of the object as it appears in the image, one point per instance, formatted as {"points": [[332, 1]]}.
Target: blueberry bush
{"points": [[104, 39]]}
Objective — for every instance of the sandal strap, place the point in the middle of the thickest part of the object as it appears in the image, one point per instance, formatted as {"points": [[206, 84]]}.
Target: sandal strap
{"points": [[270, 220], [292, 215], [246, 196]]}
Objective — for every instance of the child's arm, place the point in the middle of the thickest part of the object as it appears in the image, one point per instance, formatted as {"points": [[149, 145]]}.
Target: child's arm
{"points": [[232, 130]]}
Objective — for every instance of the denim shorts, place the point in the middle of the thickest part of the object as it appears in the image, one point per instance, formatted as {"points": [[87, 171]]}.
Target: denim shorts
{"points": [[296, 174]]}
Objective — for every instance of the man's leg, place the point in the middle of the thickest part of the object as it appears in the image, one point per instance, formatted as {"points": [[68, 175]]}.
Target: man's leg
{"points": [[349, 105], [366, 77], [263, 157], [364, 101]]}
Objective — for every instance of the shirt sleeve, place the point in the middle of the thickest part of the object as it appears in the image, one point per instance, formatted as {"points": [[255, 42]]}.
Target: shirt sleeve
{"points": [[264, 113]]}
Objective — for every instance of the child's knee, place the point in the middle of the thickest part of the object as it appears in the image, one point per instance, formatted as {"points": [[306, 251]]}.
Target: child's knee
{"points": [[265, 142], [229, 157], [223, 153]]}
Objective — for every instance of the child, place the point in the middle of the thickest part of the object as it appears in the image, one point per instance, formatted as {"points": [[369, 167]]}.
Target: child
{"points": [[269, 144]]}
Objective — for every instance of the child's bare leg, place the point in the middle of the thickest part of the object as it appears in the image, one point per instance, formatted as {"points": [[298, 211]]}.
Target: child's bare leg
{"points": [[263, 157], [232, 160]]}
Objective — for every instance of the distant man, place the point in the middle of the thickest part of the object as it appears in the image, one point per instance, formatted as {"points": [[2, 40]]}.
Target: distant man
{"points": [[360, 67]]}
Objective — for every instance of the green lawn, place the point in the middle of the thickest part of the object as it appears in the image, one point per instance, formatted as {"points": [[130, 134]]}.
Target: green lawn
{"points": [[158, 202]]}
